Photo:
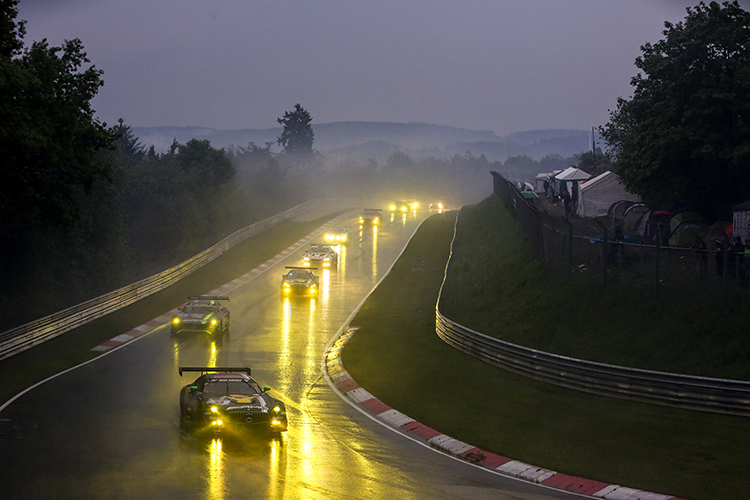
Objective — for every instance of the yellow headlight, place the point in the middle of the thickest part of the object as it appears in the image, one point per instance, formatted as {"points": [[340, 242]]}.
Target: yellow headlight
{"points": [[176, 320], [276, 409]]}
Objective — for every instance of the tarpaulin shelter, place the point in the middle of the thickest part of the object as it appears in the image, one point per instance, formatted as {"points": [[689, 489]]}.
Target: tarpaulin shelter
{"points": [[598, 194], [573, 176]]}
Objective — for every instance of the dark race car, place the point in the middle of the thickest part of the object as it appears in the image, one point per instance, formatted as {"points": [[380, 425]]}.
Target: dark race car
{"points": [[412, 204], [203, 314], [399, 207], [226, 398], [338, 236], [437, 205], [299, 281], [370, 217], [321, 255]]}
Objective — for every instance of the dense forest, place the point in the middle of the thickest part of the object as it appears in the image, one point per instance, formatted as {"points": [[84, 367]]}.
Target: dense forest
{"points": [[157, 209]]}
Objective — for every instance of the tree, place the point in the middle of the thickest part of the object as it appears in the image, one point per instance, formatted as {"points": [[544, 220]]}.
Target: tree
{"points": [[297, 136], [399, 160], [685, 133], [594, 164], [129, 148], [49, 138]]}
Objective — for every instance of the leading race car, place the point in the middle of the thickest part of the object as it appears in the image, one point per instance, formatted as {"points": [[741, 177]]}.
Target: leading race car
{"points": [[322, 255], [226, 398], [370, 216], [203, 314], [338, 235], [300, 281]]}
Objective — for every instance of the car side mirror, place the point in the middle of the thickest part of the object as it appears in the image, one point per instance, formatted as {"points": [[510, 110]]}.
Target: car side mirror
{"points": [[266, 388], [193, 388]]}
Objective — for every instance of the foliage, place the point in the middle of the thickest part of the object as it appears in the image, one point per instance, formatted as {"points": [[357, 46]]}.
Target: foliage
{"points": [[49, 137], [685, 134], [129, 149], [594, 164], [171, 202], [399, 160], [297, 136]]}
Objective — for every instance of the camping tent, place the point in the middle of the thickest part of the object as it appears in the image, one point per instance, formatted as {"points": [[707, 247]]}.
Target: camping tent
{"points": [[635, 218], [616, 212], [684, 226], [541, 178], [598, 194]]}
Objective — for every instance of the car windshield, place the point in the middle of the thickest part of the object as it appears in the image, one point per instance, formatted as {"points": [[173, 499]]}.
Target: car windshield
{"points": [[297, 274], [198, 309], [222, 387]]}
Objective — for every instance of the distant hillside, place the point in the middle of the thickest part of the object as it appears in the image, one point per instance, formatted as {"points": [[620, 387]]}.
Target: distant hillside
{"points": [[362, 141]]}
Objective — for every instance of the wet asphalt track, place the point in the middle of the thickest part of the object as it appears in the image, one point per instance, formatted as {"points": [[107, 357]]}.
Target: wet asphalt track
{"points": [[111, 428]]}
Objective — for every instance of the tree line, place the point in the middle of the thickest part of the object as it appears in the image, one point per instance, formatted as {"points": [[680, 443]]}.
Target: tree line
{"points": [[86, 208]]}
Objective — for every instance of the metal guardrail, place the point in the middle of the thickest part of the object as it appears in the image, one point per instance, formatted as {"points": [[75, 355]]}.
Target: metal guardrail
{"points": [[730, 397], [31, 334]]}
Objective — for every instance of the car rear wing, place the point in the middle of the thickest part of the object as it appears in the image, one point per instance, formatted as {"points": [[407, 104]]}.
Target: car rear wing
{"points": [[207, 297], [372, 209], [297, 267], [218, 369]]}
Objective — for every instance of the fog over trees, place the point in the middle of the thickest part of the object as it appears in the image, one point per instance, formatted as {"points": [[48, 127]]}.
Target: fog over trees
{"points": [[86, 208]]}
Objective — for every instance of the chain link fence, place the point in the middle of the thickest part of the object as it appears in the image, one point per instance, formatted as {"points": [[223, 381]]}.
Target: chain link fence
{"points": [[585, 249]]}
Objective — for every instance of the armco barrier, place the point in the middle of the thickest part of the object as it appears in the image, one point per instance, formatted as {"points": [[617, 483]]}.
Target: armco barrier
{"points": [[31, 334], [683, 391]]}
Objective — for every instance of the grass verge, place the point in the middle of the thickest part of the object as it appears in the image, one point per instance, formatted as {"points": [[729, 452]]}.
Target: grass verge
{"points": [[397, 356], [74, 347], [494, 287]]}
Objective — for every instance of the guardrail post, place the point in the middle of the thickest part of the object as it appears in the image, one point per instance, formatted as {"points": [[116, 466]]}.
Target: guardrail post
{"points": [[658, 258], [603, 252], [569, 249]]}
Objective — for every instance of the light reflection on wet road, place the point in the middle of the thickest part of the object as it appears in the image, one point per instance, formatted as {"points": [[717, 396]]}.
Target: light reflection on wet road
{"points": [[111, 428]]}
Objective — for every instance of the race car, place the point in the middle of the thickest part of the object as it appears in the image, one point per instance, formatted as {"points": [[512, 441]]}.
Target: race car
{"points": [[412, 204], [437, 205], [321, 254], [338, 235], [299, 281], [201, 313], [370, 216], [226, 398], [399, 206]]}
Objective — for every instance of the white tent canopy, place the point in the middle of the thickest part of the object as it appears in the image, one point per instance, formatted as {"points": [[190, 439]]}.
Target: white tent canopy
{"points": [[598, 194], [572, 174]]}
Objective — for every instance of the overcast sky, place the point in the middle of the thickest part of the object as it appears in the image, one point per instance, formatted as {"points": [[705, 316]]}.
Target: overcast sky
{"points": [[498, 65]]}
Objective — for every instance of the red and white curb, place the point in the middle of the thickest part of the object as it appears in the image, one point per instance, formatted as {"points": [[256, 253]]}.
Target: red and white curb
{"points": [[165, 318], [343, 382]]}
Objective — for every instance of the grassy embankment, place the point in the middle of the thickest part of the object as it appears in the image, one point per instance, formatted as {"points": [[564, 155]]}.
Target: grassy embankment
{"points": [[397, 356], [74, 347]]}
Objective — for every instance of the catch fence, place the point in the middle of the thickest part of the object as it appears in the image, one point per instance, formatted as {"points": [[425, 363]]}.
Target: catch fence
{"points": [[585, 249]]}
